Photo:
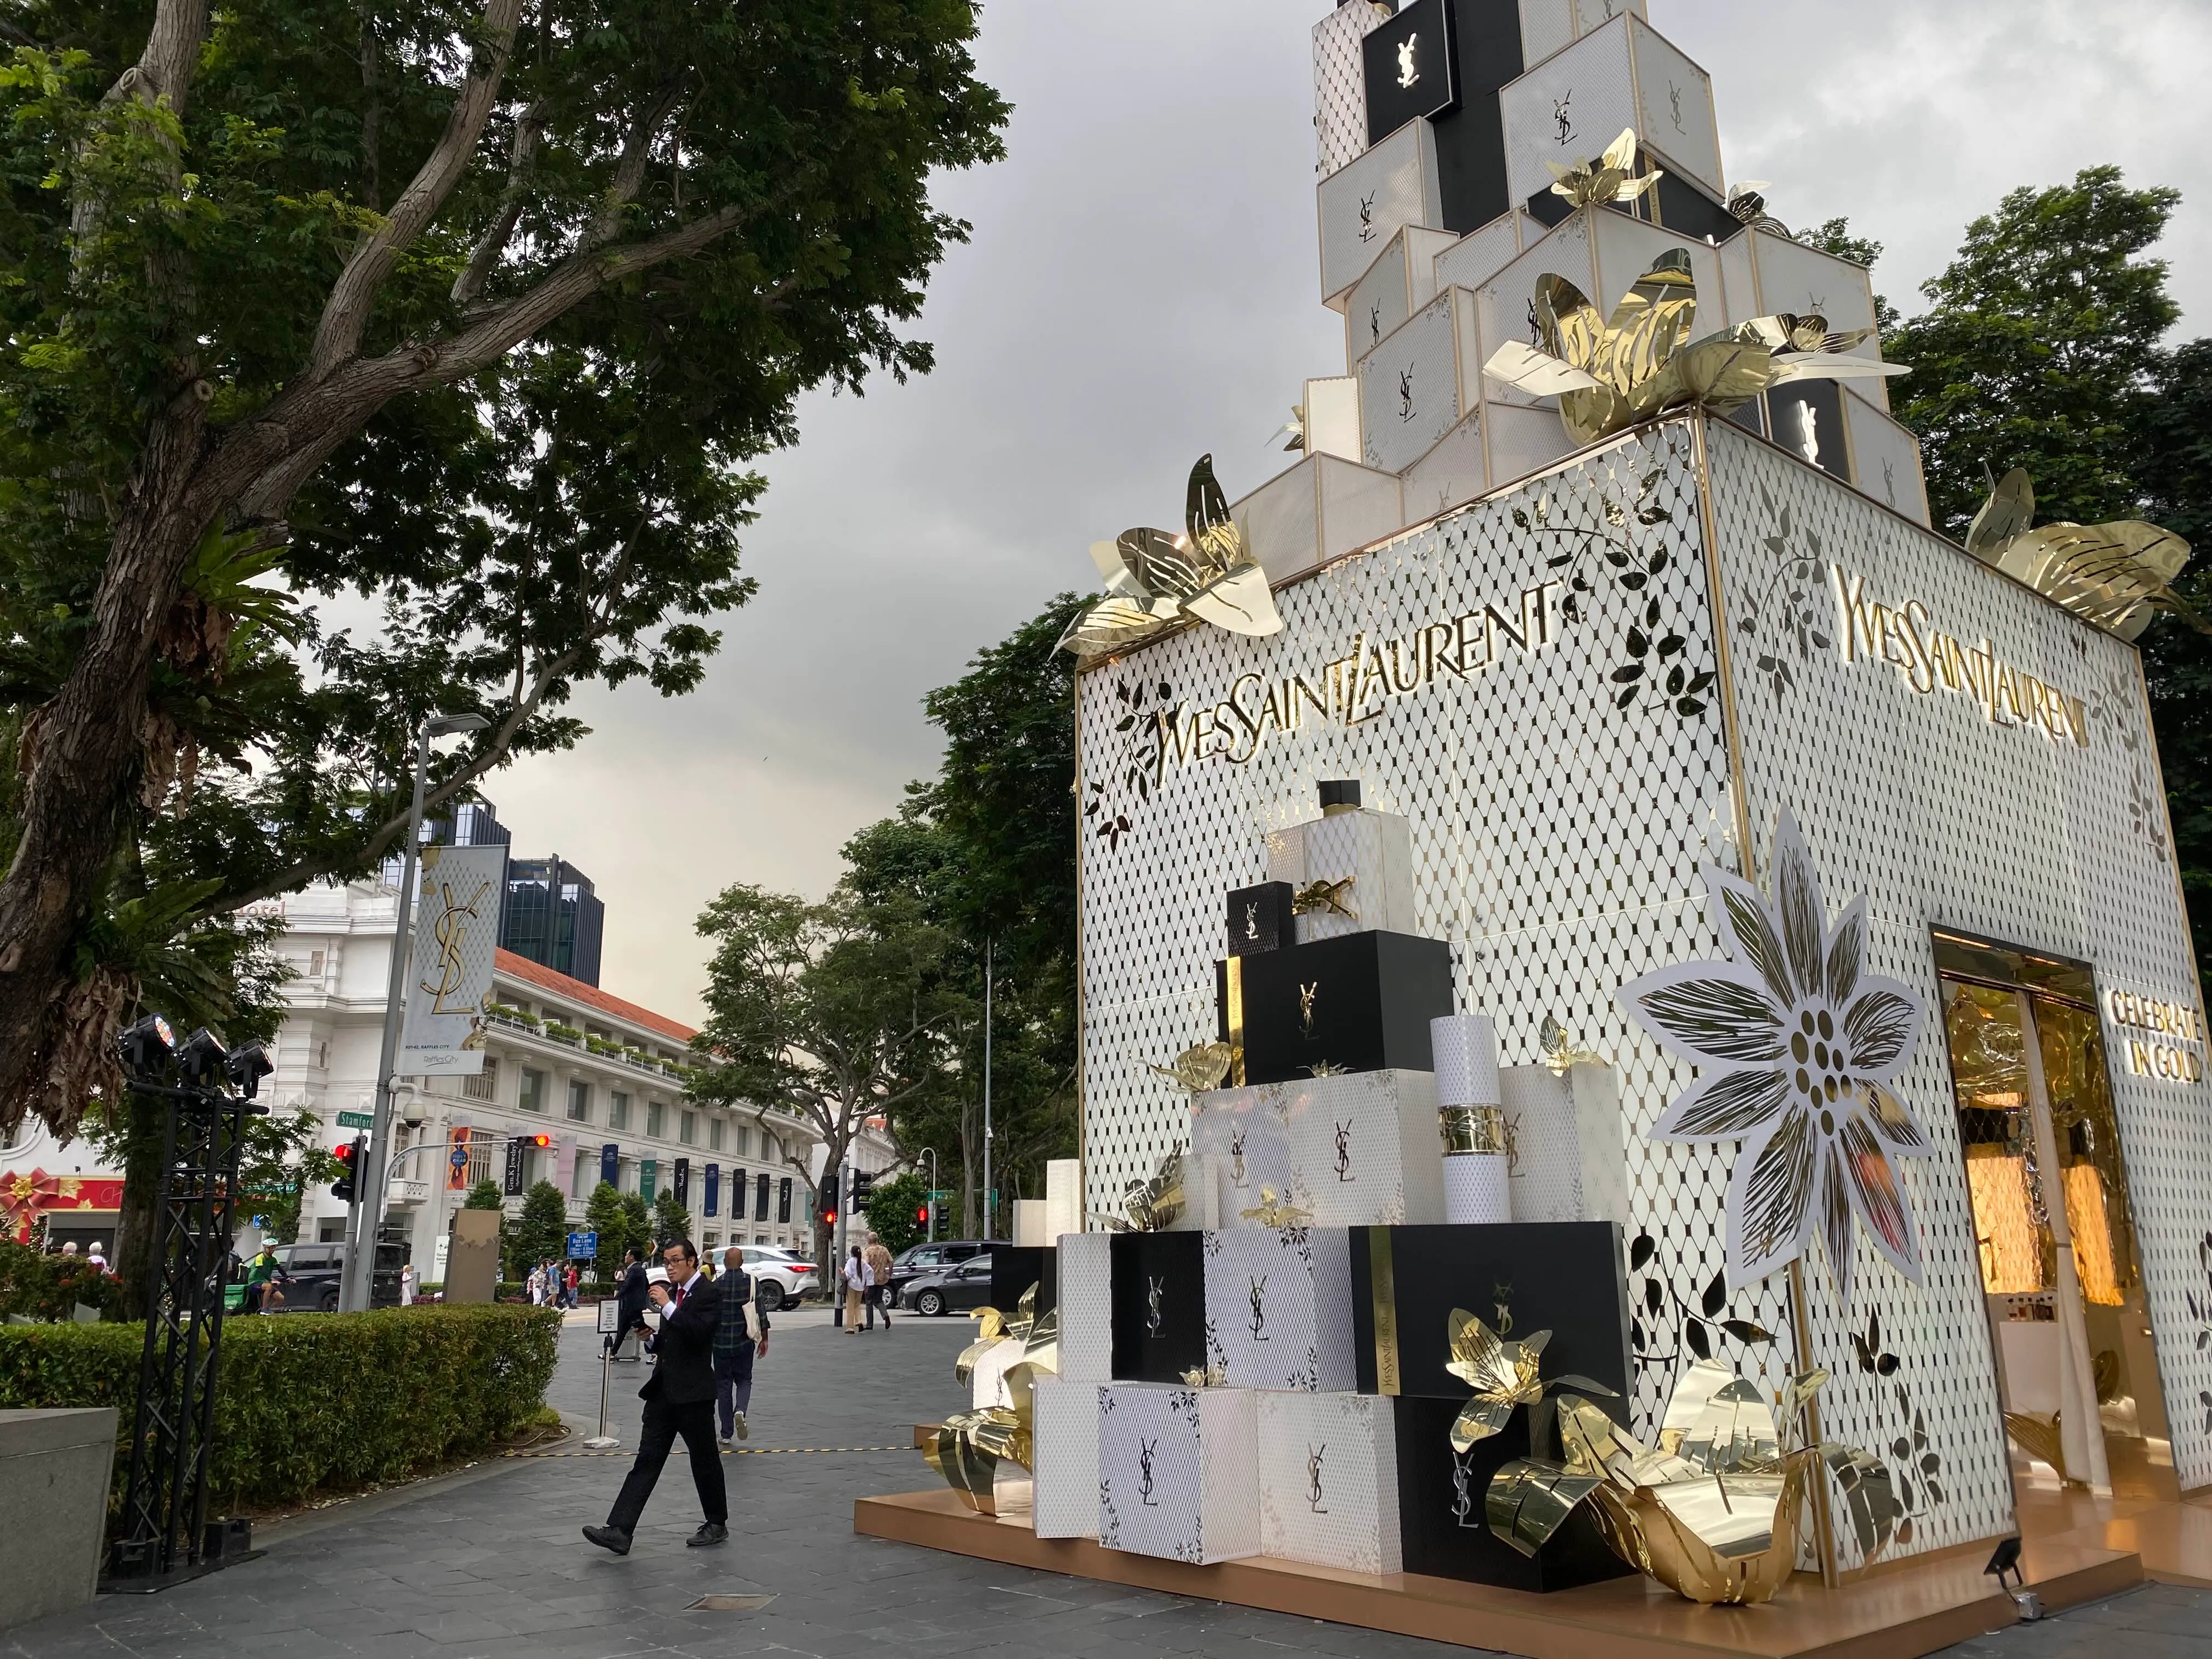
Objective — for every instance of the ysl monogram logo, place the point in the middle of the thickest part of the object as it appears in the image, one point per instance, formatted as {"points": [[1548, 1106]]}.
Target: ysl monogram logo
{"points": [[1153, 1288], [1236, 1155], [1889, 483], [1406, 393], [1561, 119], [1374, 323], [1259, 1314], [1145, 1451], [1674, 100], [1344, 1152], [1251, 922], [1407, 74], [1367, 217], [1535, 328], [1306, 995], [1808, 433], [1462, 1504], [1500, 1297], [1314, 1455]]}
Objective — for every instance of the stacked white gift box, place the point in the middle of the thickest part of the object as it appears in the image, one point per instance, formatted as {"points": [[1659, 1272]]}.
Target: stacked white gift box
{"points": [[1438, 123], [1208, 1403]]}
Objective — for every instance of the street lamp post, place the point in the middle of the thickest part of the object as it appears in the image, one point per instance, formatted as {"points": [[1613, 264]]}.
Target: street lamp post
{"points": [[990, 1197], [368, 1207]]}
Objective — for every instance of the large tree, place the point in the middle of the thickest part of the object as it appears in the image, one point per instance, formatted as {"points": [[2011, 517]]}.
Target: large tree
{"points": [[474, 309], [831, 1014], [2039, 346]]}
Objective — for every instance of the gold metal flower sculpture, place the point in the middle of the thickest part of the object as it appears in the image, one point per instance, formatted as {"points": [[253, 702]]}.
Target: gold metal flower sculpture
{"points": [[1611, 177], [1560, 1050], [968, 1446], [2117, 575], [1276, 1210], [1713, 1512], [1201, 1068], [1150, 1205], [1610, 373], [1154, 579], [1503, 1375]]}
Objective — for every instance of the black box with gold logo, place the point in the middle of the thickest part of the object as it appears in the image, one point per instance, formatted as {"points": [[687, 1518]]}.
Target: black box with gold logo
{"points": [[1564, 1277], [1017, 1269], [1359, 1002], [1159, 1303], [1261, 917]]}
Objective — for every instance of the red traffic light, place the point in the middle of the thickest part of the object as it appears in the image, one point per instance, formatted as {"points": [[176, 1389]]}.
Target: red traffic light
{"points": [[538, 1140], [344, 1152], [830, 1216], [922, 1215]]}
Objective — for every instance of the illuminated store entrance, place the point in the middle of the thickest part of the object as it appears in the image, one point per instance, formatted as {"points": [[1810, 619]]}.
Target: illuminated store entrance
{"points": [[2060, 1277]]}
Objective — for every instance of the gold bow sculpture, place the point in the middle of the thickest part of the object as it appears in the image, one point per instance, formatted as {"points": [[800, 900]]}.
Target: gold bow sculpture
{"points": [[1150, 1205], [1201, 1068], [1325, 897], [968, 1446], [1154, 579], [1713, 1513], [2116, 575], [1611, 177], [1610, 373], [1274, 1210]]}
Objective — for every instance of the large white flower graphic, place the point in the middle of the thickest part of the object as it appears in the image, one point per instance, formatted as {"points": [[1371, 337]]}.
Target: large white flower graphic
{"points": [[1796, 1047]]}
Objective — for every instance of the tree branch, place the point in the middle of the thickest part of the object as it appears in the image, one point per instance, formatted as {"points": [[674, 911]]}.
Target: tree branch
{"points": [[629, 170], [353, 296], [529, 129]]}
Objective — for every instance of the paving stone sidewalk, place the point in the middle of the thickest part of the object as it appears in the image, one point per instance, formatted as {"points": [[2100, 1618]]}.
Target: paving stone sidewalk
{"points": [[490, 1564]]}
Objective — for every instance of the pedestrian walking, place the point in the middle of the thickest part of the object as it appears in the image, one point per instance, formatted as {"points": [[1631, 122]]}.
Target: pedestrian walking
{"points": [[879, 1292], [856, 1290], [741, 1337], [534, 1288], [407, 1286], [94, 1256], [569, 1281], [680, 1399], [629, 1307]]}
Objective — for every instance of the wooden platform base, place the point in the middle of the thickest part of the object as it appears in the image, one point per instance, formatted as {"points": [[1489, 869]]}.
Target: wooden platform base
{"points": [[1910, 1609]]}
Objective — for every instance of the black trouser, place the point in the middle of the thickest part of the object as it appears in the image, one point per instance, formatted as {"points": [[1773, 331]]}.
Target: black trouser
{"points": [[875, 1297], [695, 1421], [733, 1385]]}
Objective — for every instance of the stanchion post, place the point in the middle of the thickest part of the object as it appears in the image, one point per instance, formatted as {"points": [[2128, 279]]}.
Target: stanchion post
{"points": [[610, 1318]]}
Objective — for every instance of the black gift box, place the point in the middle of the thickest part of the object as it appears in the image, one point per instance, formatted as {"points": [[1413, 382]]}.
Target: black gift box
{"points": [[1564, 1277], [1359, 1002], [1015, 1268], [1261, 918], [1408, 69], [1159, 1305], [1442, 1524]]}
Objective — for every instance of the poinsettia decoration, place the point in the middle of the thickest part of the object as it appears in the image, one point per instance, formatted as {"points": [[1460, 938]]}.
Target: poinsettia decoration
{"points": [[1797, 1047]]}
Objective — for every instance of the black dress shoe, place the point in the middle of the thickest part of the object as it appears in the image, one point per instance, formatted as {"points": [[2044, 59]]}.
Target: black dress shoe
{"points": [[713, 1532], [609, 1538]]}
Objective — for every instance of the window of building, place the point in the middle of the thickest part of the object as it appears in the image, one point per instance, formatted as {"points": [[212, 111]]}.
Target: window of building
{"points": [[479, 1157], [484, 1086], [323, 1056], [713, 1135], [745, 1141], [579, 1101], [687, 1128], [656, 1119], [587, 1177], [531, 1097], [315, 964], [618, 1109]]}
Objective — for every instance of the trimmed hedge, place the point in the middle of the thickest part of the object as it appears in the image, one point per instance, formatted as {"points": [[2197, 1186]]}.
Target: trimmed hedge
{"points": [[307, 1401]]}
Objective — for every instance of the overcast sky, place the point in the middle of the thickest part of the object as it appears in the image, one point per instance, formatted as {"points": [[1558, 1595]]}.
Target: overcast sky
{"points": [[1142, 286]]}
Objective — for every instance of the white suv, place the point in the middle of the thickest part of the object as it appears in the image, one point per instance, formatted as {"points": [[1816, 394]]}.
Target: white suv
{"points": [[778, 1275]]}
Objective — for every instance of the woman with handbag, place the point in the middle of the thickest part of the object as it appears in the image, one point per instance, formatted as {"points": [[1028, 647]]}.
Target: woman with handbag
{"points": [[742, 1334]]}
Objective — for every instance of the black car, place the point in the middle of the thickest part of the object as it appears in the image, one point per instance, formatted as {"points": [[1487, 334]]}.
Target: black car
{"points": [[927, 1261], [946, 1290], [309, 1283]]}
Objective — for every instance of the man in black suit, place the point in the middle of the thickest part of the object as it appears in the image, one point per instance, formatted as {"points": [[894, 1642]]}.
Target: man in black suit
{"points": [[680, 1399], [630, 1304]]}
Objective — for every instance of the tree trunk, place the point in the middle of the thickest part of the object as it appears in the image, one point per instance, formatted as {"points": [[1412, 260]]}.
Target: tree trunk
{"points": [[81, 755], [969, 1227]]}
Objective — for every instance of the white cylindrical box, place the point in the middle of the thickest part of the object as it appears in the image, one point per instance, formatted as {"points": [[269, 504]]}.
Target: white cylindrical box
{"points": [[1475, 1188], [1465, 1047]]}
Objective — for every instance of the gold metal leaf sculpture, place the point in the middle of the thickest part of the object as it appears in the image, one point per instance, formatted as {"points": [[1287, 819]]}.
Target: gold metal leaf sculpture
{"points": [[968, 1446], [1152, 578], [1276, 1211], [1201, 1068], [1611, 177], [1611, 374], [1560, 1050], [2116, 576], [1711, 1513]]}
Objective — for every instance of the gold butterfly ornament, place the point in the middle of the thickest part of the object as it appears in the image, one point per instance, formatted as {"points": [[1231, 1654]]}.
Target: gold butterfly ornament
{"points": [[1154, 580]]}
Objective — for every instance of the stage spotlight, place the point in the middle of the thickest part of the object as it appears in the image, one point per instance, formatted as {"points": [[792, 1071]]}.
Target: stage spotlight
{"points": [[245, 1065], [199, 1062], [147, 1046]]}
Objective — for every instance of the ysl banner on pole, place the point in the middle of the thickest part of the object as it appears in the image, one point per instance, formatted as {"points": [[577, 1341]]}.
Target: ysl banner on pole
{"points": [[449, 970]]}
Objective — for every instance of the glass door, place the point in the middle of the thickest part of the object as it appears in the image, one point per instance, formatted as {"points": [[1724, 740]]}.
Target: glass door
{"points": [[2053, 1230]]}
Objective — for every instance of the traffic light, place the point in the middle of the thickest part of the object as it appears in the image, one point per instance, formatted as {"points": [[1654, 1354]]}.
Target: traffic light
{"points": [[352, 1156], [538, 1140], [921, 1216], [864, 1183], [825, 1198]]}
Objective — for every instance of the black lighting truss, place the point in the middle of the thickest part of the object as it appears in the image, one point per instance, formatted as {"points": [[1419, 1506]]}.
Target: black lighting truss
{"points": [[165, 1534]]}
